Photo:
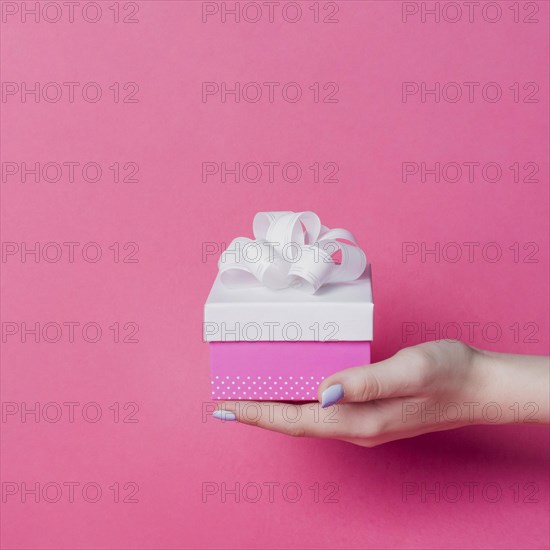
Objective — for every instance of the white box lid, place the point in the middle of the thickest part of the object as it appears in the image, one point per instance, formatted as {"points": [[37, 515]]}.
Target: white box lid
{"points": [[337, 312]]}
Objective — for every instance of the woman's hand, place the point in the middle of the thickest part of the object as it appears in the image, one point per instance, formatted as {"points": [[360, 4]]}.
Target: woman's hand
{"points": [[430, 387]]}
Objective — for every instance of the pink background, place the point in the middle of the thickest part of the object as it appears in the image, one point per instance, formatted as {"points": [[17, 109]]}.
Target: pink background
{"points": [[174, 448]]}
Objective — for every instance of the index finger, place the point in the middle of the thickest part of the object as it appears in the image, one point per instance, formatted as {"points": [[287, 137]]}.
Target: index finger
{"points": [[307, 419]]}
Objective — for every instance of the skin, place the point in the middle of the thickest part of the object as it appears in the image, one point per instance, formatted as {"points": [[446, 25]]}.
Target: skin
{"points": [[431, 387]]}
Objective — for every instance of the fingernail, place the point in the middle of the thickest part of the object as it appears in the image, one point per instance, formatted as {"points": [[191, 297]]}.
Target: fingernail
{"points": [[332, 395], [224, 415]]}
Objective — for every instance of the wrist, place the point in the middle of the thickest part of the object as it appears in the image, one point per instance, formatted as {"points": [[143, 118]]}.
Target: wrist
{"points": [[513, 389]]}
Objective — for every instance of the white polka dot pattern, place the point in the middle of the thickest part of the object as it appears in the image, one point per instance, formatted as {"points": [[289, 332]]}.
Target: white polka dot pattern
{"points": [[266, 388]]}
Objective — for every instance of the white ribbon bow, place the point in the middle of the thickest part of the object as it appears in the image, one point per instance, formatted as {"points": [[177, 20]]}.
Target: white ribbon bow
{"points": [[291, 249]]}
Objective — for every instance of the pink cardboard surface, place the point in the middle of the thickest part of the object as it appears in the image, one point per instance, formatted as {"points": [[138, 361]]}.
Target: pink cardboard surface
{"points": [[280, 371]]}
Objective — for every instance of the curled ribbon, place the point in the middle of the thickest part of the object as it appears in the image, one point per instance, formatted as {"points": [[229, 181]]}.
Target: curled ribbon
{"points": [[291, 249]]}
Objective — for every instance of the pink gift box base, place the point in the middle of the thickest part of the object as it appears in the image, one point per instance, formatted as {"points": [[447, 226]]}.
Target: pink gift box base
{"points": [[279, 371]]}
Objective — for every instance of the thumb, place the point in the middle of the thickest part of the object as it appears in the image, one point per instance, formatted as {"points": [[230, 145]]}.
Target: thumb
{"points": [[397, 376]]}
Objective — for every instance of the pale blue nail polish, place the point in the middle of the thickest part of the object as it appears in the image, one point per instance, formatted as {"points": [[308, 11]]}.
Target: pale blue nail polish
{"points": [[224, 415], [332, 395]]}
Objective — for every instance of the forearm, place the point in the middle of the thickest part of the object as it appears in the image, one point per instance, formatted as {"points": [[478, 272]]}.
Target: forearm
{"points": [[519, 384]]}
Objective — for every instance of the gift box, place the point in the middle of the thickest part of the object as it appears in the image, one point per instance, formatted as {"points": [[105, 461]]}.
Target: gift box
{"points": [[291, 310]]}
